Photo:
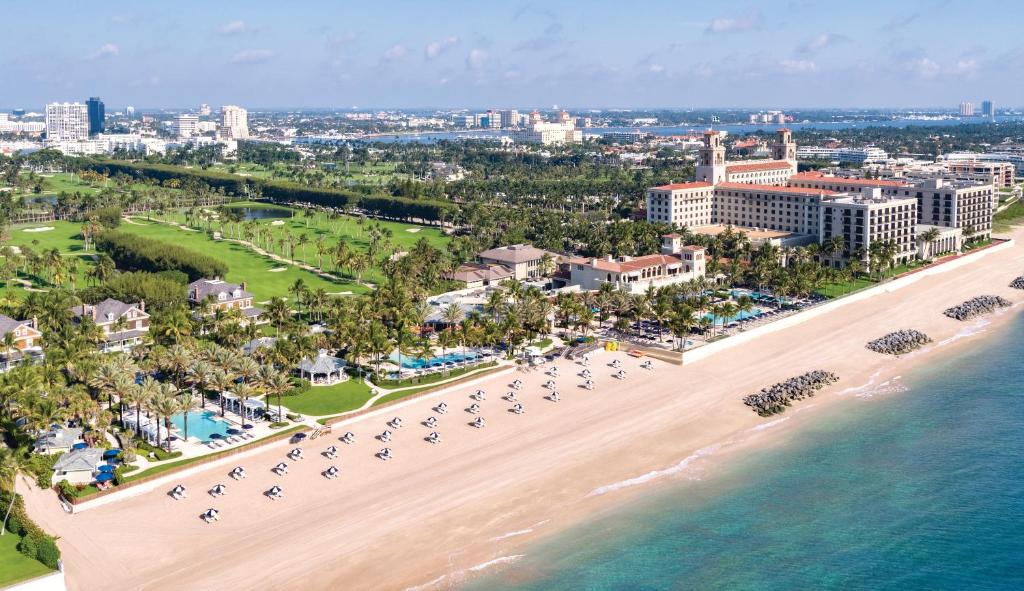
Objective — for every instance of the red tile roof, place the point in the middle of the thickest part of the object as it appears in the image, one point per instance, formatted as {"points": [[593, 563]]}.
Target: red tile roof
{"points": [[774, 189], [678, 186], [817, 176], [758, 166], [635, 264]]}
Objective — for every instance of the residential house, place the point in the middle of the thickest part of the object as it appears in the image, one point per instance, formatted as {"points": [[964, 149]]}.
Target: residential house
{"points": [[675, 264], [78, 466], [473, 275], [221, 295], [21, 341], [123, 325], [524, 260]]}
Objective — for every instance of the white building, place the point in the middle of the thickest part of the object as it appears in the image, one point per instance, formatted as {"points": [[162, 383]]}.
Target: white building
{"points": [[234, 122], [546, 134], [843, 155], [675, 264], [868, 218], [966, 109], [185, 126], [67, 121]]}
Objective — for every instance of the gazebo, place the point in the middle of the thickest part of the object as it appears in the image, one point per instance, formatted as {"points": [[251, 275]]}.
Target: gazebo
{"points": [[252, 408], [323, 370]]}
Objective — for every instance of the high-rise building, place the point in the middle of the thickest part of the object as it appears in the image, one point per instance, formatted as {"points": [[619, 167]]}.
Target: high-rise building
{"points": [[97, 114], [234, 122], [988, 108], [966, 109], [204, 110], [129, 111], [185, 126], [67, 121], [510, 118]]}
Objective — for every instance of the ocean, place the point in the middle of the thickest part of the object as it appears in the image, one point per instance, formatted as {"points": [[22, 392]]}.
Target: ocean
{"points": [[920, 489]]}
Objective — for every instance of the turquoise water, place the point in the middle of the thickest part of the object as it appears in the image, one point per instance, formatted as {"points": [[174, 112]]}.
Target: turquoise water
{"points": [[918, 490], [201, 424], [419, 362], [743, 315]]}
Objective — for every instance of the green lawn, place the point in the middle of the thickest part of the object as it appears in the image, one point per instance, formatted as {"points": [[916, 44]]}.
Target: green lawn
{"points": [[14, 566], [354, 231], [64, 237], [243, 263], [65, 182], [327, 400]]}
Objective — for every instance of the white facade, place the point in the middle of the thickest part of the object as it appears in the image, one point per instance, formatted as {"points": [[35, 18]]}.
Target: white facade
{"points": [[676, 264], [185, 126], [549, 134], [67, 121], [843, 155], [234, 122]]}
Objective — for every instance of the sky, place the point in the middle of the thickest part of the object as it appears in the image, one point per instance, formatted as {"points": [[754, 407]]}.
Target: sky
{"points": [[447, 54]]}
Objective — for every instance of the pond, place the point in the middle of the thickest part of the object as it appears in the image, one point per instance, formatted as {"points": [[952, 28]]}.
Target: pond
{"points": [[264, 213]]}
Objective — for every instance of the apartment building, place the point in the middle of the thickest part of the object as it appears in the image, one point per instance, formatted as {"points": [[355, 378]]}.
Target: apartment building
{"points": [[185, 126], [1000, 174], [788, 209], [67, 121], [956, 204], [234, 122], [867, 218], [840, 184]]}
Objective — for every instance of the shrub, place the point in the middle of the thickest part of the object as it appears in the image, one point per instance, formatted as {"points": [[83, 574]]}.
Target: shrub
{"points": [[278, 424], [47, 552], [137, 253], [27, 546], [293, 416], [160, 291], [14, 525], [108, 217]]}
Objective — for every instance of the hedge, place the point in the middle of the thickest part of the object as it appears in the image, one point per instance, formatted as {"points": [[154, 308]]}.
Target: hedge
{"points": [[282, 191], [138, 253], [35, 543]]}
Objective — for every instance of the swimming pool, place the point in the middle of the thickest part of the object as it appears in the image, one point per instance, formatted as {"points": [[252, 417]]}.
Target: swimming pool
{"points": [[201, 424], [754, 313], [420, 363]]}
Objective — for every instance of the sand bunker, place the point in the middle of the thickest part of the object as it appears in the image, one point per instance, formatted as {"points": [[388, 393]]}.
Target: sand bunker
{"points": [[277, 269], [277, 223], [413, 230], [41, 229]]}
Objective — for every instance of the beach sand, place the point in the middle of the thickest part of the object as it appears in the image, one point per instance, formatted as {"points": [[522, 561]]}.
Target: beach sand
{"points": [[432, 514]]}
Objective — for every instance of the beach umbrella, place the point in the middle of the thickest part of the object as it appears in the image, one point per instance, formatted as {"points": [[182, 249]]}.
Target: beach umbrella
{"points": [[111, 453], [106, 468], [104, 477]]}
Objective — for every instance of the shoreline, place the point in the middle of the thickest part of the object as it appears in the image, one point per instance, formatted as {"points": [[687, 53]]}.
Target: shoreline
{"points": [[483, 493]]}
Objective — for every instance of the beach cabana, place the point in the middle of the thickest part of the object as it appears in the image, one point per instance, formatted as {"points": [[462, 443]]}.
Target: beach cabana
{"points": [[323, 370]]}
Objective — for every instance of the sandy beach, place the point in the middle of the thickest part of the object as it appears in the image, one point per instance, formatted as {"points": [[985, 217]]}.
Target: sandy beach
{"points": [[431, 515]]}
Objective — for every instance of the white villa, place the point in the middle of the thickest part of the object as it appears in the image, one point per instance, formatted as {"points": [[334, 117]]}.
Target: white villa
{"points": [[675, 264]]}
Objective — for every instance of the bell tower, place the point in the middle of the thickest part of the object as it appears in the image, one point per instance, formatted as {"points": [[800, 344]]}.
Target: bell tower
{"points": [[711, 159], [785, 147]]}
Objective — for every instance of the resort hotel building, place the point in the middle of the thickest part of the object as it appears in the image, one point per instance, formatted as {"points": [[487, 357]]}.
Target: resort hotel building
{"points": [[799, 208], [675, 264]]}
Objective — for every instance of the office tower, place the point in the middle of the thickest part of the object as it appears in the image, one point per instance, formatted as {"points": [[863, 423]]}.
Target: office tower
{"points": [[988, 108], [97, 114]]}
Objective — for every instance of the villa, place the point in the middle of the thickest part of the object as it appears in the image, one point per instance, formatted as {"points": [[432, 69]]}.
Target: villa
{"points": [[474, 275], [221, 295], [675, 264], [58, 439], [523, 260], [25, 342], [123, 325]]}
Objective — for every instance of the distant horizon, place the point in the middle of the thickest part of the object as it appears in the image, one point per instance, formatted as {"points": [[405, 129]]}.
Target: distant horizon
{"points": [[401, 53], [572, 109]]}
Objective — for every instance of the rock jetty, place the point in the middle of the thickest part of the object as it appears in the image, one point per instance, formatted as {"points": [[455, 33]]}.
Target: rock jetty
{"points": [[974, 307], [899, 342], [774, 399], [1018, 283]]}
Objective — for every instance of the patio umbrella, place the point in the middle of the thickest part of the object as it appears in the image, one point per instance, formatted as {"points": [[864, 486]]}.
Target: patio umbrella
{"points": [[215, 436], [80, 446], [111, 453], [105, 476], [106, 468], [233, 431]]}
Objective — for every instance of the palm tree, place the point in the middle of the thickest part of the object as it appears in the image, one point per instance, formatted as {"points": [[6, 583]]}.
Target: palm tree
{"points": [[13, 462], [222, 382], [163, 404], [186, 404], [244, 392], [275, 383], [929, 237]]}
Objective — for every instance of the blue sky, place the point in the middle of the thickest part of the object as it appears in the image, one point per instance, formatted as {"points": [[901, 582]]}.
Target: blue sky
{"points": [[786, 53]]}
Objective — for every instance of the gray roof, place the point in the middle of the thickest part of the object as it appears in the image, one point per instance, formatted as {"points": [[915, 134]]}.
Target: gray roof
{"points": [[200, 289], [516, 253], [323, 363], [79, 460], [7, 324], [471, 272], [65, 437], [258, 343], [106, 311]]}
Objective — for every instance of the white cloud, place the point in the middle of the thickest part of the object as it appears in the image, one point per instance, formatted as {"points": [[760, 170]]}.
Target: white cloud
{"points": [[924, 67], [106, 50], [656, 68], [511, 75], [232, 28], [734, 24], [395, 52], [819, 42], [436, 48], [798, 66], [252, 56], [476, 59], [965, 66]]}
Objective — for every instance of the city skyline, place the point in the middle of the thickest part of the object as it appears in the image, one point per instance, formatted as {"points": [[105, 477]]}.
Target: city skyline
{"points": [[733, 54]]}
